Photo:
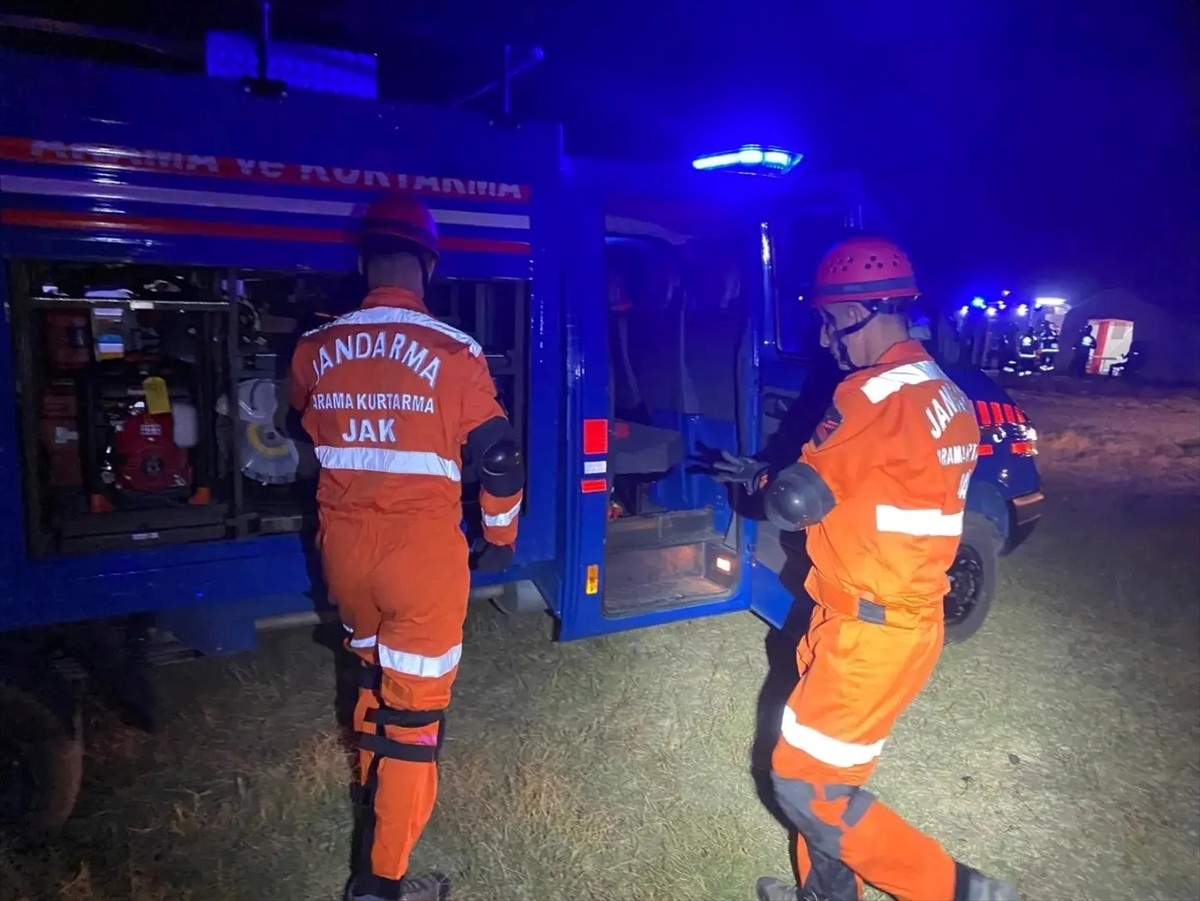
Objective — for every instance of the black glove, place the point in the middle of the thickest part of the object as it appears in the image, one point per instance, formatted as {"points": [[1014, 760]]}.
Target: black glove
{"points": [[491, 558], [744, 471]]}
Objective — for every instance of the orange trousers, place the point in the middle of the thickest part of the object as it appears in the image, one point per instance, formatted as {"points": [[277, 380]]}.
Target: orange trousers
{"points": [[856, 678], [401, 587]]}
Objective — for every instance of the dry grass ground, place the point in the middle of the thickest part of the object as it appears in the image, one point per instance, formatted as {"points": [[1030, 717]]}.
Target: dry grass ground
{"points": [[1135, 445], [1061, 746]]}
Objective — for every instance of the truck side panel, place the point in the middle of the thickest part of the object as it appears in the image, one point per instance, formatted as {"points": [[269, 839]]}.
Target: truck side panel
{"points": [[123, 167]]}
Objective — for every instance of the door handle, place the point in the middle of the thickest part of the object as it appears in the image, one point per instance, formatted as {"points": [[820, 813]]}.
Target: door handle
{"points": [[775, 406]]}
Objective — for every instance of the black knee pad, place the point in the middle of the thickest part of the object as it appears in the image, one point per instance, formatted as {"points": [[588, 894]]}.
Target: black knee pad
{"points": [[379, 744], [377, 741]]}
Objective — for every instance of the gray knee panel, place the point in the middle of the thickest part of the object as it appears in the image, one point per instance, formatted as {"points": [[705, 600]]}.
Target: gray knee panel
{"points": [[796, 797]]}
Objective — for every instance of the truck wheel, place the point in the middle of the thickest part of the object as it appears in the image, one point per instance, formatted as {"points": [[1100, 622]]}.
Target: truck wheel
{"points": [[972, 579], [41, 764]]}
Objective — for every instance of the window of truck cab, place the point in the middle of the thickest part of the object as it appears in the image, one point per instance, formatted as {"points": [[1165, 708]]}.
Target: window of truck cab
{"points": [[792, 248], [795, 249]]}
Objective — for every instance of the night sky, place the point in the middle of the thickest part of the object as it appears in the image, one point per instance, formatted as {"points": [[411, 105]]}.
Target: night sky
{"points": [[1050, 146]]}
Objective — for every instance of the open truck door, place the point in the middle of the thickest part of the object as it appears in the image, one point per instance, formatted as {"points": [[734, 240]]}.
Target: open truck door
{"points": [[795, 384], [665, 312], [680, 350]]}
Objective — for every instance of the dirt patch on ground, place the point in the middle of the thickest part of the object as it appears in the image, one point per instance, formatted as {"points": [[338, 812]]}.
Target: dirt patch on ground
{"points": [[1124, 446], [1060, 747]]}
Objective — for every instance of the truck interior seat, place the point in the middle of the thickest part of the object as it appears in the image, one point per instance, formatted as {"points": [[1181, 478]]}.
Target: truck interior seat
{"points": [[644, 362], [710, 323]]}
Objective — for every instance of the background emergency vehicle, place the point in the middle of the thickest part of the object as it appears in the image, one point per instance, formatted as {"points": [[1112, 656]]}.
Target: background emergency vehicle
{"points": [[166, 237]]}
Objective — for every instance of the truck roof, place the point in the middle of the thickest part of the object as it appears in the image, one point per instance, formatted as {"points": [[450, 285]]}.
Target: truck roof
{"points": [[131, 163], [105, 161]]}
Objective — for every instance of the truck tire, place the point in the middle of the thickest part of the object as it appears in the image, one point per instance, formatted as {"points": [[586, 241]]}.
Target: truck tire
{"points": [[41, 764], [972, 579]]}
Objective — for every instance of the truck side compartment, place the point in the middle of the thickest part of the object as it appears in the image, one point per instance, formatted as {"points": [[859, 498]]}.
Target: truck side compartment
{"points": [[157, 273]]}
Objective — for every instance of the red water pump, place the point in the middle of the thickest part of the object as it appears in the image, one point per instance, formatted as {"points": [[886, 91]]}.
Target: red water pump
{"points": [[145, 456], [141, 434]]}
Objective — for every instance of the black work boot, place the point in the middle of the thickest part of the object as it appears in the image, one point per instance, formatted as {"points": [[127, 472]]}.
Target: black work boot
{"points": [[430, 887], [768, 888], [984, 888]]}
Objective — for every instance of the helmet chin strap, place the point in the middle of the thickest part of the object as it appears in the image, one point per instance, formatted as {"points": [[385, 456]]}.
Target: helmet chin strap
{"points": [[873, 308], [425, 274], [838, 334]]}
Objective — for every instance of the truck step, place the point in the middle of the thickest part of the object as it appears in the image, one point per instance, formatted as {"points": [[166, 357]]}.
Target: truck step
{"points": [[657, 530], [640, 580], [663, 594]]}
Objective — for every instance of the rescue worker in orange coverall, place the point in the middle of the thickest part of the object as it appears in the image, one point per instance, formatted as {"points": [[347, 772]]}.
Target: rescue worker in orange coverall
{"points": [[390, 396], [881, 489]]}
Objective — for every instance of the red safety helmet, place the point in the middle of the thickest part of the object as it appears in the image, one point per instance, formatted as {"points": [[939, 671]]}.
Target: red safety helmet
{"points": [[398, 222], [863, 269]]}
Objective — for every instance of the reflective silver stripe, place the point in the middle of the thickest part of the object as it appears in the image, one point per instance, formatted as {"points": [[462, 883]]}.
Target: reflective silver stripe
{"points": [[418, 664], [925, 523], [884, 385], [503, 519], [379, 459], [825, 749], [368, 642], [400, 316]]}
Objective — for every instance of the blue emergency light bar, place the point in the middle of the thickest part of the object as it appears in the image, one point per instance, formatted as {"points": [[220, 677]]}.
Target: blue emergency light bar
{"points": [[751, 159]]}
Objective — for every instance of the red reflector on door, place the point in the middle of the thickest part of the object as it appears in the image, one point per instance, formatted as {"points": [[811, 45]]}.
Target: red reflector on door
{"points": [[1023, 448], [595, 436], [985, 450], [593, 486]]}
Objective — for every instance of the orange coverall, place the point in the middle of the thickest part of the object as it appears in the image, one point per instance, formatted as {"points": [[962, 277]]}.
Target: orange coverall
{"points": [[389, 395], [896, 450]]}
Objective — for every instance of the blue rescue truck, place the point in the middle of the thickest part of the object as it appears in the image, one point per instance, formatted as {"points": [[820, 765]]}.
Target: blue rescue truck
{"points": [[166, 237]]}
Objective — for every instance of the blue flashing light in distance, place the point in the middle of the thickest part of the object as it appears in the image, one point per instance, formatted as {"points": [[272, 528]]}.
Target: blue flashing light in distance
{"points": [[752, 159], [978, 303]]}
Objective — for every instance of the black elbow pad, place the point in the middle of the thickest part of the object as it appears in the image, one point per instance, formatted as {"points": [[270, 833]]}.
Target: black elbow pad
{"points": [[797, 498], [493, 447]]}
